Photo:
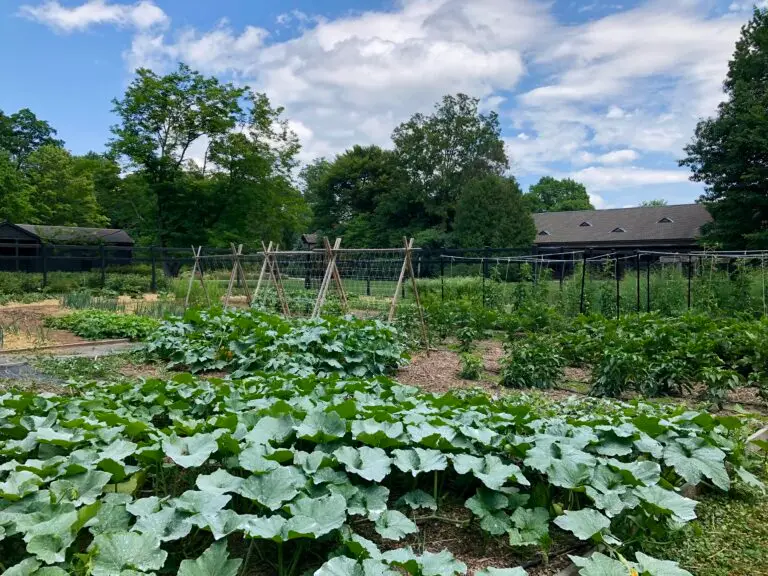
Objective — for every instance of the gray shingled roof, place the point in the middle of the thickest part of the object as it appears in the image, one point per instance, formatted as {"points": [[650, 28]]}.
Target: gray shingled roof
{"points": [[640, 224], [76, 235]]}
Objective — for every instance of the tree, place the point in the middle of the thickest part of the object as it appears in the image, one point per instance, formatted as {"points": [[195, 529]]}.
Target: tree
{"points": [[729, 152], [491, 212], [441, 152], [14, 193], [654, 202], [161, 118], [361, 195], [60, 194], [22, 133], [552, 195]]}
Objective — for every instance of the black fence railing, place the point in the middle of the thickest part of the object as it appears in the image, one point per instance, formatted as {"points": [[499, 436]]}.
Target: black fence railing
{"points": [[575, 281]]}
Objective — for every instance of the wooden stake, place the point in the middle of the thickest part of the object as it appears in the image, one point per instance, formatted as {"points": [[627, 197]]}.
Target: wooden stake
{"points": [[329, 273], [237, 272], [424, 334], [197, 267], [266, 249], [393, 305]]}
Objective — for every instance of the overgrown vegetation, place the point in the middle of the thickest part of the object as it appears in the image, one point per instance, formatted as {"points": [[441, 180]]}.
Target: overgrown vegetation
{"points": [[146, 478], [247, 341], [102, 324]]}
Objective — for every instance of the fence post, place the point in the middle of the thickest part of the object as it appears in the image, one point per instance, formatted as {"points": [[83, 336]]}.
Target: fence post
{"points": [[153, 283], [618, 287], [637, 262], [103, 265], [648, 285], [442, 277], [690, 276], [583, 278], [486, 253], [368, 278], [44, 263]]}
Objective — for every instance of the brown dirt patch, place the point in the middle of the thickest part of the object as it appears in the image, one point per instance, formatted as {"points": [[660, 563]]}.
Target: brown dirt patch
{"points": [[23, 326], [573, 374], [438, 372], [144, 371]]}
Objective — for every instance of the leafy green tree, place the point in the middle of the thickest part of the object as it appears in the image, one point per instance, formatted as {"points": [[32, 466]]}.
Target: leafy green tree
{"points": [[161, 118], [654, 202], [553, 195], [443, 151], [60, 194], [362, 195], [729, 152], [491, 212], [22, 133], [15, 193]]}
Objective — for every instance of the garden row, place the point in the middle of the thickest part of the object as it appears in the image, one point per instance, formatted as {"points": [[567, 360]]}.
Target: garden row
{"points": [[328, 474]]}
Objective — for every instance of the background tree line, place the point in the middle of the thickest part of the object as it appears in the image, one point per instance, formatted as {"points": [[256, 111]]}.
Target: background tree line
{"points": [[194, 160]]}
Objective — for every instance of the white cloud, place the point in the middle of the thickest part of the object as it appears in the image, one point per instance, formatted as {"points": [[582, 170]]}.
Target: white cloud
{"points": [[142, 15], [611, 178], [618, 157]]}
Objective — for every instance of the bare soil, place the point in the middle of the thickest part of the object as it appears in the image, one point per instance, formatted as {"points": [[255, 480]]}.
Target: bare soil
{"points": [[437, 372], [23, 326]]}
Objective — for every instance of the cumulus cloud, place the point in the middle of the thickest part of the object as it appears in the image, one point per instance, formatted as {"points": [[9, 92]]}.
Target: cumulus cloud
{"points": [[601, 178], [141, 15]]}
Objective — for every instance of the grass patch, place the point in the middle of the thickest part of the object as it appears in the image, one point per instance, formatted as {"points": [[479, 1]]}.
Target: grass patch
{"points": [[730, 537]]}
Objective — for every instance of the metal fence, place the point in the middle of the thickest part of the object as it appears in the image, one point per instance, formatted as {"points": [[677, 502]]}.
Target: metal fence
{"points": [[575, 281]]}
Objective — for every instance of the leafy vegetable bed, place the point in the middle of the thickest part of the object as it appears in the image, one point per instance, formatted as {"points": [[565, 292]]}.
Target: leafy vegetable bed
{"points": [[101, 324], [245, 341], [283, 470], [647, 354]]}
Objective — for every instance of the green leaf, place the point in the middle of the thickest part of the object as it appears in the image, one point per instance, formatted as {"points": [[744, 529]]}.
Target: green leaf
{"points": [[381, 434], [213, 562], [26, 567], [599, 565], [167, 525], [119, 551], [220, 482], [144, 506], [370, 501], [270, 429], [394, 525], [441, 564], [80, 489], [267, 527], [419, 460], [531, 527], [748, 478], [340, 566], [490, 470], [372, 464], [416, 499], [112, 516], [486, 501], [196, 502], [273, 488], [502, 572], [322, 427], [253, 459], [682, 509], [654, 567], [584, 524], [192, 451], [693, 459], [314, 517], [19, 484]]}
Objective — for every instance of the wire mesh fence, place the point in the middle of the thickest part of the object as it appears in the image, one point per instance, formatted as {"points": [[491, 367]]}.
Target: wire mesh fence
{"points": [[573, 281]]}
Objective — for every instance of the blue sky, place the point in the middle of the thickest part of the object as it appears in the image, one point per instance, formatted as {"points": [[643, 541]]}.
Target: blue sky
{"points": [[603, 91]]}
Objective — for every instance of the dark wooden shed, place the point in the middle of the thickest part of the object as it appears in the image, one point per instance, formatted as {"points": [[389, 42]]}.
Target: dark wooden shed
{"points": [[32, 248]]}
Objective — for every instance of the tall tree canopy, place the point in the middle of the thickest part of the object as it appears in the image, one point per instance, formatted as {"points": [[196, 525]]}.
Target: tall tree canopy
{"points": [[443, 151], [238, 187], [491, 212], [362, 195], [22, 133], [553, 195], [729, 152]]}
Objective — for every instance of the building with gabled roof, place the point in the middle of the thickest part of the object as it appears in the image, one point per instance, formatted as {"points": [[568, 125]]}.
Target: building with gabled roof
{"points": [[674, 228]]}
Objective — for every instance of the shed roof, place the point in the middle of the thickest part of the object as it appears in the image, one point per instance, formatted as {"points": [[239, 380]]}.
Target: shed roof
{"points": [[674, 224], [76, 235]]}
